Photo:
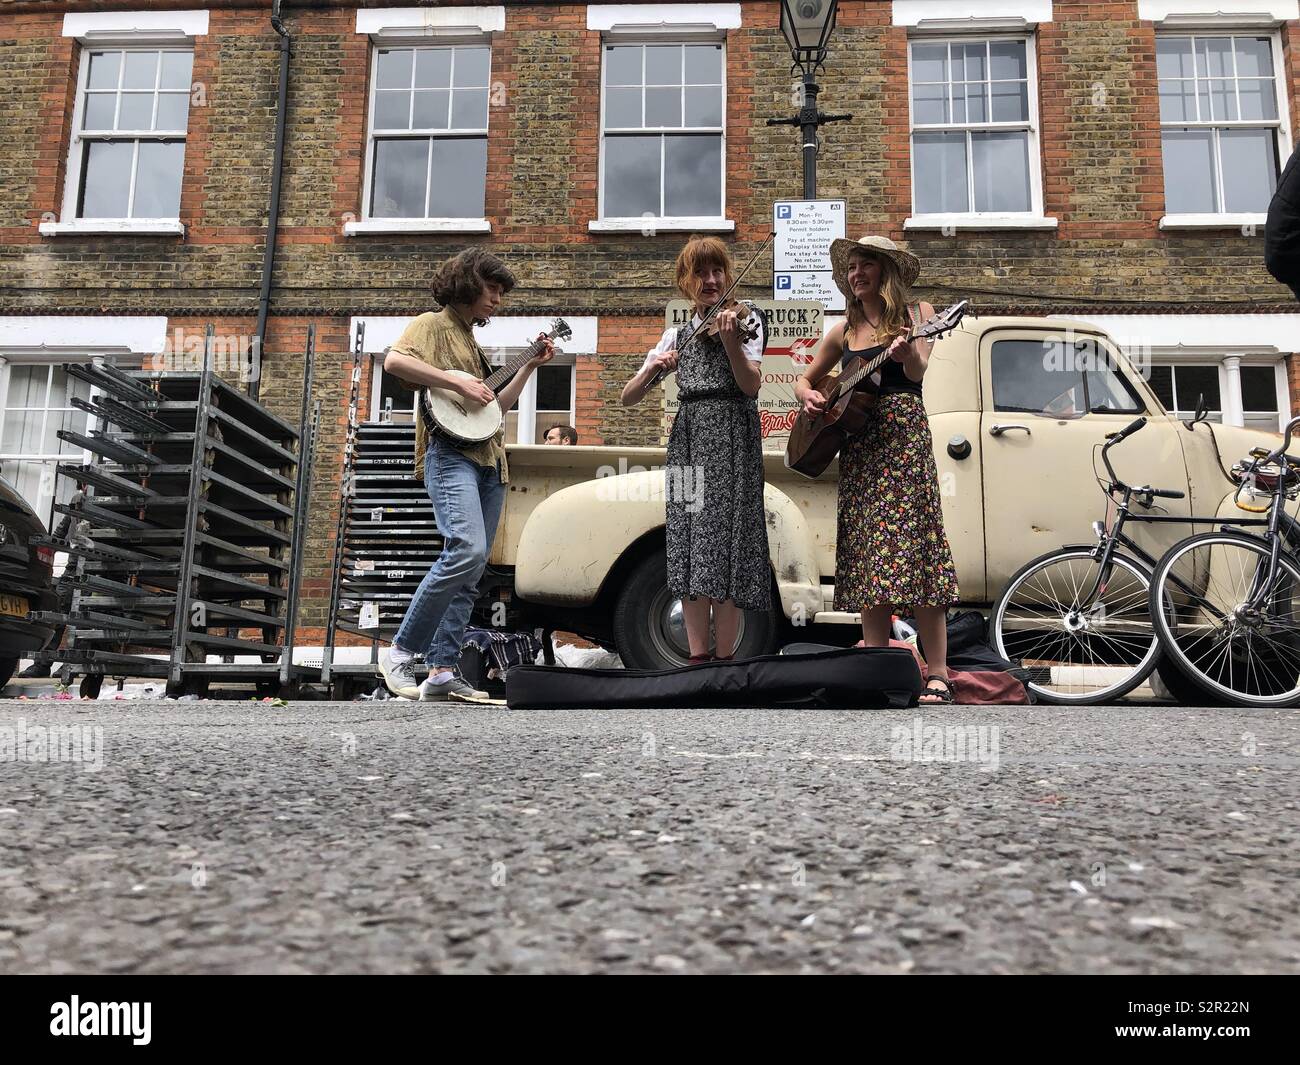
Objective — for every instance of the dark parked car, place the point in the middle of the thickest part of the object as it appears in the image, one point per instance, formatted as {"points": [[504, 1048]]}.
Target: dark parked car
{"points": [[26, 581]]}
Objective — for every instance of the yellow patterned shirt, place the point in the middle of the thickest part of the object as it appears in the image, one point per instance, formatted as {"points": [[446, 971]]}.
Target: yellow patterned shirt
{"points": [[446, 343]]}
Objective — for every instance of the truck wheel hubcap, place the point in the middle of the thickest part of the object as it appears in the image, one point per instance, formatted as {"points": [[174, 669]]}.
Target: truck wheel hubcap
{"points": [[668, 627]]}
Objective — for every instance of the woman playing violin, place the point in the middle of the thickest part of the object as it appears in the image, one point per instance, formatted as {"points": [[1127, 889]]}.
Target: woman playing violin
{"points": [[717, 535]]}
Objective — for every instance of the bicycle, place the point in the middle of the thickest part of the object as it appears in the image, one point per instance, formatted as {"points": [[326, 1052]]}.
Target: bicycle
{"points": [[1079, 618], [1226, 604]]}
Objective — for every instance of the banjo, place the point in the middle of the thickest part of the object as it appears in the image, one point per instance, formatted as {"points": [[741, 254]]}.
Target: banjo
{"points": [[466, 423]]}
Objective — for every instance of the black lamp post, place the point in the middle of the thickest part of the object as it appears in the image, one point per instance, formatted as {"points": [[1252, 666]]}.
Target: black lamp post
{"points": [[807, 26]]}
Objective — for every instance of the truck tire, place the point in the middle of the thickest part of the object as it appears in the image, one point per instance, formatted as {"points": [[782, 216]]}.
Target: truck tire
{"points": [[647, 634], [1184, 690]]}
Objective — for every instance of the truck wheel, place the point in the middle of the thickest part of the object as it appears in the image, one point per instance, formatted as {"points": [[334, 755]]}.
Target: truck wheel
{"points": [[1184, 690], [649, 630]]}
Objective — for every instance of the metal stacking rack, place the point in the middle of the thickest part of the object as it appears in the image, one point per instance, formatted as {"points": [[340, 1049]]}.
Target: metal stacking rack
{"points": [[387, 538], [193, 509]]}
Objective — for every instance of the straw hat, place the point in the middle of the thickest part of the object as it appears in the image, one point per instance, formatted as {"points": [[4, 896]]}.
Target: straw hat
{"points": [[909, 266]]}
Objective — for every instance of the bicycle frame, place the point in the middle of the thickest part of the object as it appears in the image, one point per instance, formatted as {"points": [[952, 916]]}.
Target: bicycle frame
{"points": [[1265, 574], [1108, 540]]}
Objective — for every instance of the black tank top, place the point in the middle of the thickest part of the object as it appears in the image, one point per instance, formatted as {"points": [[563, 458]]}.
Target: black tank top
{"points": [[893, 378]]}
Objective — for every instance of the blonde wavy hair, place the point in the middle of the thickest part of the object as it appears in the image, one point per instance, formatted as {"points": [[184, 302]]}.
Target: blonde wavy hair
{"points": [[897, 296]]}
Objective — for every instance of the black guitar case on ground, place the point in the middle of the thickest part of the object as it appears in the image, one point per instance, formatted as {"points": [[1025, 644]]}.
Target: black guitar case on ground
{"points": [[853, 678]]}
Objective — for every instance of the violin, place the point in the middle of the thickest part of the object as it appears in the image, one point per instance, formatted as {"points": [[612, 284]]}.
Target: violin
{"points": [[747, 329], [709, 323]]}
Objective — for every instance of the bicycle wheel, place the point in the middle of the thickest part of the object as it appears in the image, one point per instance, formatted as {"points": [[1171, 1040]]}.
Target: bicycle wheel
{"points": [[1249, 654], [1080, 645]]}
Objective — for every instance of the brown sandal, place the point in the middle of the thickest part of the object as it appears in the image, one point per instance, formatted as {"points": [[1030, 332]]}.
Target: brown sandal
{"points": [[939, 696], [696, 660]]}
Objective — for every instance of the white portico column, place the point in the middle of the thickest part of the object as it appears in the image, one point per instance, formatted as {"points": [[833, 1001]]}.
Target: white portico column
{"points": [[1231, 399], [527, 412]]}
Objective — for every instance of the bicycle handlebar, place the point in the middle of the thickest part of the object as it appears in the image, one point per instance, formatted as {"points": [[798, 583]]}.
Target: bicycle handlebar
{"points": [[1291, 426], [1114, 438]]}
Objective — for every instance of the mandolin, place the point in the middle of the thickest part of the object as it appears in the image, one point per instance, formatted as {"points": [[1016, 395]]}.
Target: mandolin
{"points": [[816, 440], [466, 423]]}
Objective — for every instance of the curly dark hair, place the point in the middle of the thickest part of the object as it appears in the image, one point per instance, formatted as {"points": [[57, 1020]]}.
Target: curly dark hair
{"points": [[460, 279]]}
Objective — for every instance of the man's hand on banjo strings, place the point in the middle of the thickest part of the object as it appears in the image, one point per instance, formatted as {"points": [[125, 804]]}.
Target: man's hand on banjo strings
{"points": [[477, 392]]}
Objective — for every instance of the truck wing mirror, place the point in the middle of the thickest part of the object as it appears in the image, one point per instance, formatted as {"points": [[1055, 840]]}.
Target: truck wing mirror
{"points": [[1201, 413]]}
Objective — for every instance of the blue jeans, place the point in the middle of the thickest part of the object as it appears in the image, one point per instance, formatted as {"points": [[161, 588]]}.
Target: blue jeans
{"points": [[467, 501]]}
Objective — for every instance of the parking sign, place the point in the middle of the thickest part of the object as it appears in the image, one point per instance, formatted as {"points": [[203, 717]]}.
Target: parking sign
{"points": [[801, 260]]}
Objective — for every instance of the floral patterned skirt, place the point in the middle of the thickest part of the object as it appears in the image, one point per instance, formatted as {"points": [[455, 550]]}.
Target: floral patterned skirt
{"points": [[890, 546]]}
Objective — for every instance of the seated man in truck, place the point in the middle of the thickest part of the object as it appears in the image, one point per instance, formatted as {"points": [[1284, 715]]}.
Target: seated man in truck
{"points": [[561, 434], [466, 482]]}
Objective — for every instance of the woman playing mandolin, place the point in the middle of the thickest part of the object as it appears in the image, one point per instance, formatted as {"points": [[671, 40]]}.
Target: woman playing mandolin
{"points": [[891, 551], [716, 532]]}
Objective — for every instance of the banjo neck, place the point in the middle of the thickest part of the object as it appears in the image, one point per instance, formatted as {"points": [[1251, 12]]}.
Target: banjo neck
{"points": [[498, 378]]}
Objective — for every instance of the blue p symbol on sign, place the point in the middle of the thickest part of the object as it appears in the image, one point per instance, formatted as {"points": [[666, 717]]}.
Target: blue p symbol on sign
{"points": [[784, 281], [782, 210]]}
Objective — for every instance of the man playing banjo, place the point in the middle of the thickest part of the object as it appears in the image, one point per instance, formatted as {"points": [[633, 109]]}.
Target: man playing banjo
{"points": [[466, 480]]}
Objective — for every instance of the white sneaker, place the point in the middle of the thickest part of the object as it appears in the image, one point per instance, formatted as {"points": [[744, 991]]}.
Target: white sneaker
{"points": [[399, 677], [456, 688]]}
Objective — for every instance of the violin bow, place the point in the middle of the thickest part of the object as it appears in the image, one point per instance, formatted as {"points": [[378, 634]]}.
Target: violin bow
{"points": [[722, 302]]}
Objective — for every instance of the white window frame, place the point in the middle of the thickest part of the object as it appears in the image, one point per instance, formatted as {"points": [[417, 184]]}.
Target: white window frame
{"points": [[376, 387], [369, 225], [1228, 364], [946, 221], [126, 31], [77, 456], [667, 223], [397, 27], [1246, 222], [13, 356], [528, 397]]}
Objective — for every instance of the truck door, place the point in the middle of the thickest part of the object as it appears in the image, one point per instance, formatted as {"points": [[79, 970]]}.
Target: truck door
{"points": [[1049, 400]]}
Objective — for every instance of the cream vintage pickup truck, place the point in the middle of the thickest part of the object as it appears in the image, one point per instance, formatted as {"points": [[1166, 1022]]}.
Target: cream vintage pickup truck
{"points": [[1016, 406]]}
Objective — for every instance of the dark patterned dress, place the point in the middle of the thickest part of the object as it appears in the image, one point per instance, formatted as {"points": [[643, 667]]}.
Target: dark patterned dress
{"points": [[717, 533], [890, 547]]}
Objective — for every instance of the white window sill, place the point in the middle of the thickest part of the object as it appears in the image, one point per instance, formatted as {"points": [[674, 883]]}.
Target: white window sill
{"points": [[978, 221], [130, 227], [651, 226], [380, 226], [1212, 221]]}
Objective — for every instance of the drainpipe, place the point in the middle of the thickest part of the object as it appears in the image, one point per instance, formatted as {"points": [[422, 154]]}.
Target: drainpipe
{"points": [[273, 212]]}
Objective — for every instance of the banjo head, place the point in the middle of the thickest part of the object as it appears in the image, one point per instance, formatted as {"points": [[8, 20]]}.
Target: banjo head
{"points": [[457, 417]]}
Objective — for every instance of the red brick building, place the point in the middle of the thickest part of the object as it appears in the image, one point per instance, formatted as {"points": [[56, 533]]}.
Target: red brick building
{"points": [[1104, 160]]}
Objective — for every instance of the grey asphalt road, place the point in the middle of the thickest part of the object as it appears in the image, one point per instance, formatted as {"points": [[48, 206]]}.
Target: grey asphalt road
{"points": [[397, 837]]}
